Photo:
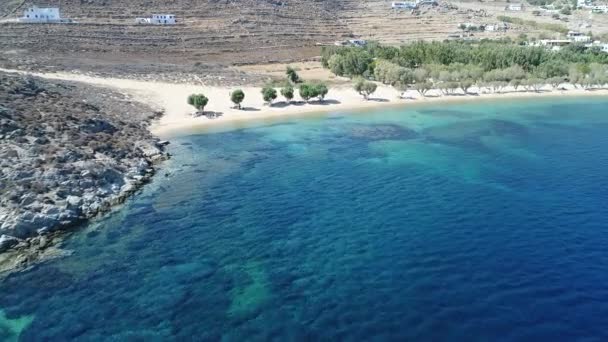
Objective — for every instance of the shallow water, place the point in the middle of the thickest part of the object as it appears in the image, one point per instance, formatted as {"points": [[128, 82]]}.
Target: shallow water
{"points": [[457, 222]]}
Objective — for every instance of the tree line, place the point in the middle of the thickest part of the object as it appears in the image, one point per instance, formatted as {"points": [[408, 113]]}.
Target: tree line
{"points": [[306, 90], [450, 66]]}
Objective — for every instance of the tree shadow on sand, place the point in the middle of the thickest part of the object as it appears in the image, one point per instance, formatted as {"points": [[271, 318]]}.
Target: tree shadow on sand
{"points": [[212, 114], [324, 102], [284, 104]]}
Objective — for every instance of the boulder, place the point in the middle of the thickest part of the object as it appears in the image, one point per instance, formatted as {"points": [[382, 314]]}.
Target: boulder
{"points": [[73, 201], [148, 149], [7, 242]]}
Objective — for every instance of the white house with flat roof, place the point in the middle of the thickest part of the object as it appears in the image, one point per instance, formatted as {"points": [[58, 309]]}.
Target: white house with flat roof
{"points": [[578, 37], [599, 9], [37, 14], [515, 7], [553, 44], [163, 19], [403, 5]]}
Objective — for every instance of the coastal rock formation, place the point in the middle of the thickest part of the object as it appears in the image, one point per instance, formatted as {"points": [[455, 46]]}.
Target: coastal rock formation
{"points": [[67, 152]]}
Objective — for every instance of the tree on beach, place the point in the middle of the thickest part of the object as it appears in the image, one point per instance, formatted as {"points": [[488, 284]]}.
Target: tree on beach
{"points": [[292, 75], [403, 88], [237, 97], [421, 75], [555, 81], [320, 91], [335, 64], [287, 92], [365, 88], [306, 92], [423, 87], [465, 85], [515, 83], [535, 84], [269, 94], [198, 101], [577, 74]]}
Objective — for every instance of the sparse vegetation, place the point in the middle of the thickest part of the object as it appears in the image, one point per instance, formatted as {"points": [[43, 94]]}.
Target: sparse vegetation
{"points": [[534, 24]]}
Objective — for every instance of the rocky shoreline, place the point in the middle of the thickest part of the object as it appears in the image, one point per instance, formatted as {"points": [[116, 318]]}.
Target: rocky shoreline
{"points": [[68, 152]]}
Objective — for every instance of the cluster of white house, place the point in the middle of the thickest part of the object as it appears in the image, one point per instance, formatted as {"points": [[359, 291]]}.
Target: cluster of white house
{"points": [[588, 4], [352, 42], [573, 37], [412, 4], [36, 14], [158, 19]]}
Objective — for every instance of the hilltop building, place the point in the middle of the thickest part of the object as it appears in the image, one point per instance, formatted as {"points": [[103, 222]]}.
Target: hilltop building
{"points": [[583, 3], [158, 19], [164, 19], [36, 14], [554, 44], [404, 5], [515, 7], [599, 9], [412, 4]]}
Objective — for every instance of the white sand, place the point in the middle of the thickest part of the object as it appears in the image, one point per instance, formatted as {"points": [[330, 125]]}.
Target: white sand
{"points": [[178, 114]]}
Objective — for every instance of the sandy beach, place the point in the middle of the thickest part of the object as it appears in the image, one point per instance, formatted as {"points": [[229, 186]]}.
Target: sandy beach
{"points": [[178, 118]]}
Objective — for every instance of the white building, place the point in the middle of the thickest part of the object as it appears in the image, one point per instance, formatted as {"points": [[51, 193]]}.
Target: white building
{"points": [[599, 9], [583, 3], [403, 5], [36, 14], [598, 45], [358, 42], [554, 44], [515, 7], [143, 20], [578, 37], [163, 19]]}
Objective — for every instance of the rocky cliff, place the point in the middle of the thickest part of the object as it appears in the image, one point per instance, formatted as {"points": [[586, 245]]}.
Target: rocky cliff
{"points": [[67, 152]]}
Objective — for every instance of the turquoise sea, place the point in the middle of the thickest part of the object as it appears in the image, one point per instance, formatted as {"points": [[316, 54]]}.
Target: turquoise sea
{"points": [[451, 222]]}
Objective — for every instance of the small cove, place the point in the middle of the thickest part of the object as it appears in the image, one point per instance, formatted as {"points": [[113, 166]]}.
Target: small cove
{"points": [[477, 221]]}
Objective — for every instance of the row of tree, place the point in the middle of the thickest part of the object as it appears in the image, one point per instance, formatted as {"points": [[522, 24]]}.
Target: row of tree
{"points": [[423, 66], [490, 55], [307, 91], [457, 77]]}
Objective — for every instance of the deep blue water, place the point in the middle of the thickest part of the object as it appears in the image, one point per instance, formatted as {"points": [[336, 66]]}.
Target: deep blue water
{"points": [[476, 222]]}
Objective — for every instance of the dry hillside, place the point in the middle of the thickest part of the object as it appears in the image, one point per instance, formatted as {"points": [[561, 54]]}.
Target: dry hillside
{"points": [[213, 33]]}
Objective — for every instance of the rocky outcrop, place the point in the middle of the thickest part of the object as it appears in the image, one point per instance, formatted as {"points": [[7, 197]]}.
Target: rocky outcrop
{"points": [[67, 152]]}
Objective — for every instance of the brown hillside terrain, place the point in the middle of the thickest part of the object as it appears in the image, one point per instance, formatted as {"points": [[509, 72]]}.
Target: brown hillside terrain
{"points": [[208, 31], [211, 34]]}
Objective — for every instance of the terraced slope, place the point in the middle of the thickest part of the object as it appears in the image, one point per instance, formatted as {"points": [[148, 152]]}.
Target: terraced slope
{"points": [[374, 19], [208, 31], [224, 32]]}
